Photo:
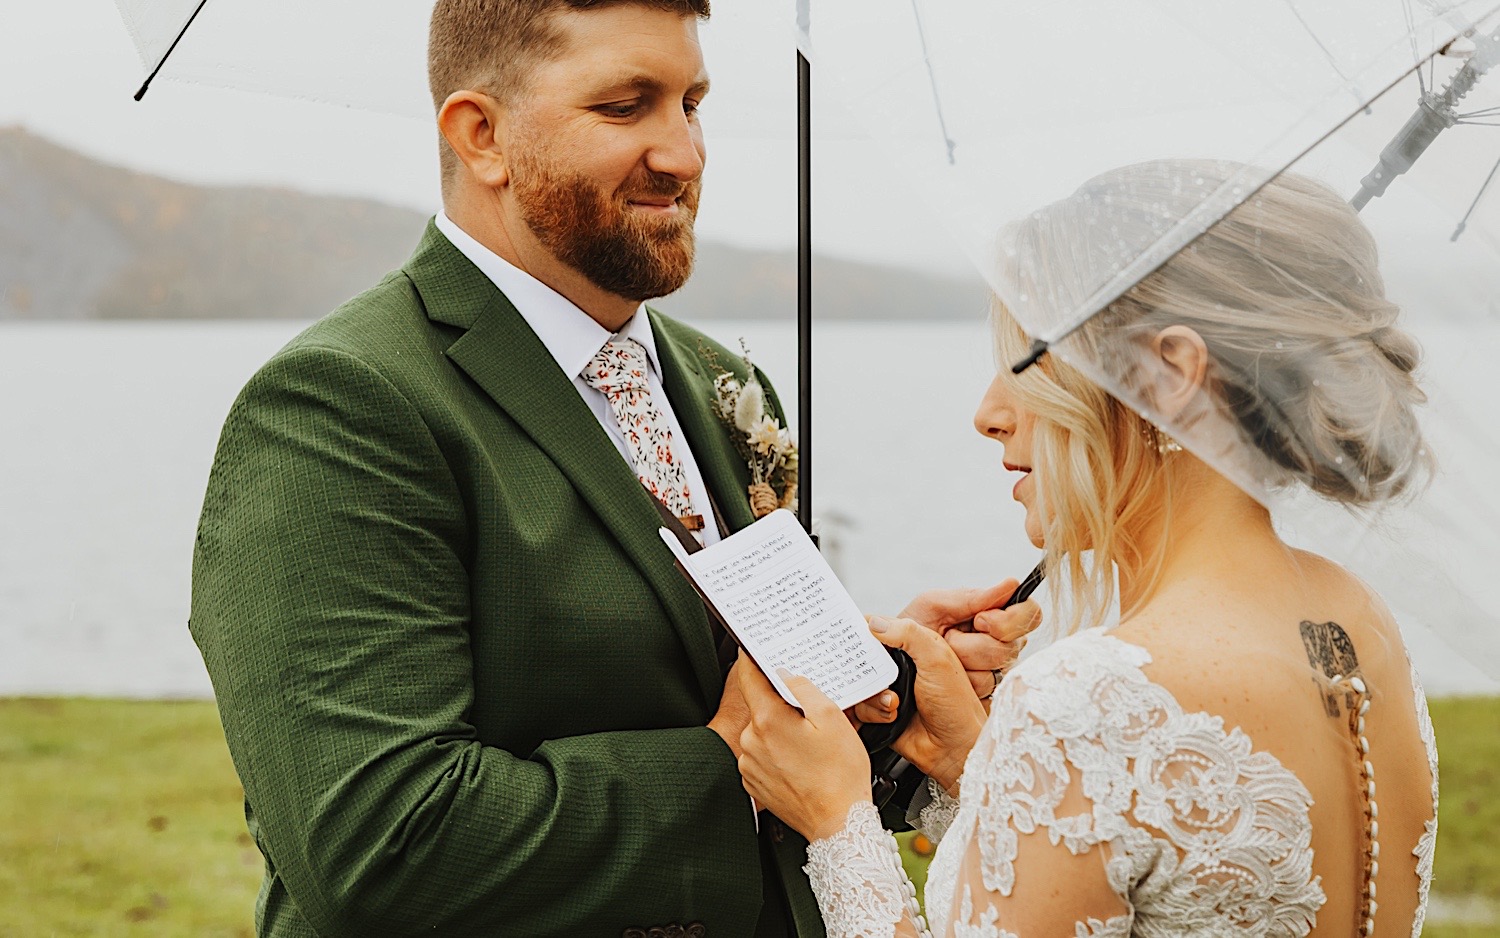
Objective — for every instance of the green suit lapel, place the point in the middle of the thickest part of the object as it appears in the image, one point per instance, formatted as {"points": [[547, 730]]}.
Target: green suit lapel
{"points": [[501, 353], [685, 375]]}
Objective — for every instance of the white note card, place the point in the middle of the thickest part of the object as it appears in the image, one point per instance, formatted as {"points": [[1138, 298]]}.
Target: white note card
{"points": [[783, 603]]}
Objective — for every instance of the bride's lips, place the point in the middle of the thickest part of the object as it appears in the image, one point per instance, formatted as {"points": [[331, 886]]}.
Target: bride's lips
{"points": [[1012, 467]]}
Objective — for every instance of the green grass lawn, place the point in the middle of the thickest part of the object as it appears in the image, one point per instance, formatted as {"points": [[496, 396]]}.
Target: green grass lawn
{"points": [[123, 818]]}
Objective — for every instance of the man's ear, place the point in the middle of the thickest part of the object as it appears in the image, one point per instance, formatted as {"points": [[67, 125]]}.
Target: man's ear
{"points": [[1181, 364], [474, 124]]}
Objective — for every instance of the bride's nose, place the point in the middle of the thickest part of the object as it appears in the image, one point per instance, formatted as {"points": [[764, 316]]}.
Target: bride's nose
{"points": [[996, 416]]}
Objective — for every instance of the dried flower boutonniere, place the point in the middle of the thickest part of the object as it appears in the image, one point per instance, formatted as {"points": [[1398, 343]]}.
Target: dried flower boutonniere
{"points": [[766, 446]]}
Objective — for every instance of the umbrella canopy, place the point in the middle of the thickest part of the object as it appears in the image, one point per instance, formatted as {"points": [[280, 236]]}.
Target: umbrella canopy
{"points": [[344, 53], [1077, 148], [374, 57]]}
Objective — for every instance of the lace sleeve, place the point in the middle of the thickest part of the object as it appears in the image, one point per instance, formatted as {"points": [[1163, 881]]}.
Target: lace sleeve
{"points": [[1093, 803], [937, 814], [861, 887]]}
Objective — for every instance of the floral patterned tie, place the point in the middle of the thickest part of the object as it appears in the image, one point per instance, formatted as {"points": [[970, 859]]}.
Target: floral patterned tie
{"points": [[618, 371]]}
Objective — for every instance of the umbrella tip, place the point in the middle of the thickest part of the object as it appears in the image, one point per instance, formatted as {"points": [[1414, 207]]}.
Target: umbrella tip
{"points": [[1038, 349]]}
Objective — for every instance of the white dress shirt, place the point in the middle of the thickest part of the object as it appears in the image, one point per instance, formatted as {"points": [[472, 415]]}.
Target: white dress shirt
{"points": [[573, 338]]}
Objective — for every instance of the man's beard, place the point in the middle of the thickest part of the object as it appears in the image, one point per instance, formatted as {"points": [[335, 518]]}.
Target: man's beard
{"points": [[631, 254]]}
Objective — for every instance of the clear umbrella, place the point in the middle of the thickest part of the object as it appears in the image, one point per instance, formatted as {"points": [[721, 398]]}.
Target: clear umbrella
{"points": [[352, 54], [1077, 148], [374, 56]]}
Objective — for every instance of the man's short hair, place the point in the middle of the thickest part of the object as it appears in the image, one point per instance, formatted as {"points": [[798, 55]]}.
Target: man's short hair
{"points": [[492, 45]]}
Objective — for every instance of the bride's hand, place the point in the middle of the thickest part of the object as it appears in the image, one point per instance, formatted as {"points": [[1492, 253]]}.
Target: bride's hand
{"points": [[807, 768], [986, 636], [949, 716]]}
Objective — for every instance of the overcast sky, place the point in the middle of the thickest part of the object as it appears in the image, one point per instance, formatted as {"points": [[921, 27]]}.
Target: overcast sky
{"points": [[68, 70]]}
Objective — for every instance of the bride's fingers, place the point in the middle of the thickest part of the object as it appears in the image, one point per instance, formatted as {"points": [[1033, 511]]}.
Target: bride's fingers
{"points": [[878, 709], [983, 682], [1010, 624], [980, 652], [942, 608]]}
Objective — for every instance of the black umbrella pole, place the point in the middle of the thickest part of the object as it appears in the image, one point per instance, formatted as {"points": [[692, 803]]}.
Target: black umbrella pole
{"points": [[804, 291]]}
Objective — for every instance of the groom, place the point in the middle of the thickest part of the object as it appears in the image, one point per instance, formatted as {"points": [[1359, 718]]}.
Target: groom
{"points": [[465, 689]]}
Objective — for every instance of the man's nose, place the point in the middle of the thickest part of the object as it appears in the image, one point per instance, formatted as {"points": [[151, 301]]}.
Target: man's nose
{"points": [[677, 150]]}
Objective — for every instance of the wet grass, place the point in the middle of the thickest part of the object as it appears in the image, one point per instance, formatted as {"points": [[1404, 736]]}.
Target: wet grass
{"points": [[1468, 731], [123, 818], [1468, 863]]}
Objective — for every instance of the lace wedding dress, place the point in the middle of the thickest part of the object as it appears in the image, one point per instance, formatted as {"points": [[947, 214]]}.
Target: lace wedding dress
{"points": [[1160, 821]]}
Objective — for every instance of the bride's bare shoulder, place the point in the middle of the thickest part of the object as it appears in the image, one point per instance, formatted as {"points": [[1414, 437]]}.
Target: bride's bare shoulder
{"points": [[1264, 647]]}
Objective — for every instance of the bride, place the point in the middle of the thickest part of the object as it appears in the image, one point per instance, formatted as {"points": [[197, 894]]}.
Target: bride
{"points": [[1248, 752]]}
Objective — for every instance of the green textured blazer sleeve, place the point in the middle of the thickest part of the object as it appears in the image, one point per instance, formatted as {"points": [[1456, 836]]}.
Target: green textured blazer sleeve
{"points": [[463, 693]]}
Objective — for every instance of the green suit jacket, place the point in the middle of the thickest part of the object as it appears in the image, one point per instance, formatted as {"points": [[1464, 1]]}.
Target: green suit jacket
{"points": [[463, 684]]}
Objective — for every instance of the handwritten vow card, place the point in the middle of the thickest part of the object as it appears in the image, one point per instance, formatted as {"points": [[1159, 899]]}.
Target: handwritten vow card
{"points": [[780, 599]]}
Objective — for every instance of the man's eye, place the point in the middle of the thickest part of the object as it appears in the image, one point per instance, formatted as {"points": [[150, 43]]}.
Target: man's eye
{"points": [[690, 107], [617, 110]]}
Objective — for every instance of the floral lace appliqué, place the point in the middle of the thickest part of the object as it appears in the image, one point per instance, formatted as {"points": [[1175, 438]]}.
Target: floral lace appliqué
{"points": [[1427, 843], [1202, 834], [938, 816], [858, 880]]}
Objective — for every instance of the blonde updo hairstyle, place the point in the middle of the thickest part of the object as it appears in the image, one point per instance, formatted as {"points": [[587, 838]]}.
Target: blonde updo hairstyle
{"points": [[1306, 364]]}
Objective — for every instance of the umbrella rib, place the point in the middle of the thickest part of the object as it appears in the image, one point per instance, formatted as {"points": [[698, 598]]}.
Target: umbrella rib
{"points": [[1464, 222], [1109, 293], [1328, 53], [937, 99], [1411, 35], [146, 85]]}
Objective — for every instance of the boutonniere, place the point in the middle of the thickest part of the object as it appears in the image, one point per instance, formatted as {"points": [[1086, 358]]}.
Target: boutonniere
{"points": [[766, 446]]}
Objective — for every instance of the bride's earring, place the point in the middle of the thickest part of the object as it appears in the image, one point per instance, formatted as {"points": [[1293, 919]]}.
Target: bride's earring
{"points": [[1158, 437]]}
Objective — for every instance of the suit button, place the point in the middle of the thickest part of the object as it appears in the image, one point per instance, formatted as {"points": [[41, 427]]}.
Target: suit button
{"points": [[778, 832]]}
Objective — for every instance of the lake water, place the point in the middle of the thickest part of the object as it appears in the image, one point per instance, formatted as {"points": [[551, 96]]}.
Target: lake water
{"points": [[107, 433]]}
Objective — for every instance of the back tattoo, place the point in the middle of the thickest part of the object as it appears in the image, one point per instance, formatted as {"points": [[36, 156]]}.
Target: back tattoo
{"points": [[1330, 650]]}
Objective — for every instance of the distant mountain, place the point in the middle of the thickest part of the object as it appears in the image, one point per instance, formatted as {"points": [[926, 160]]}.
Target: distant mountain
{"points": [[83, 240]]}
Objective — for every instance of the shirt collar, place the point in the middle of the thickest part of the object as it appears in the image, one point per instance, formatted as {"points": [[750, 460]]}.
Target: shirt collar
{"points": [[570, 335]]}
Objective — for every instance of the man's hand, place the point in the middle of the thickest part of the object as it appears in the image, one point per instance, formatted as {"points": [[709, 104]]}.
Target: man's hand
{"points": [[985, 637], [734, 711]]}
